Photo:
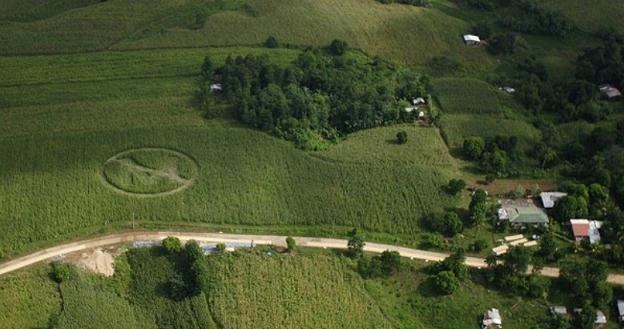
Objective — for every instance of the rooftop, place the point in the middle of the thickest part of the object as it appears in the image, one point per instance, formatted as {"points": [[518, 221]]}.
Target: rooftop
{"points": [[549, 198]]}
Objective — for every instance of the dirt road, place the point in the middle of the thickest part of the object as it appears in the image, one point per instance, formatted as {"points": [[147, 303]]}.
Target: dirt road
{"points": [[50, 253]]}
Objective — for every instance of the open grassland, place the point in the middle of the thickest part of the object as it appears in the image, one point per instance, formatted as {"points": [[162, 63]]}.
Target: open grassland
{"points": [[456, 127], [406, 34], [469, 96], [27, 299], [260, 291]]}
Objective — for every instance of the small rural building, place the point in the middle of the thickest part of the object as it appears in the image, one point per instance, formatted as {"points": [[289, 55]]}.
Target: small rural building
{"points": [[584, 229], [620, 310], [609, 91], [216, 87], [419, 101], [523, 215], [559, 310], [492, 319], [411, 109], [508, 89], [601, 318], [550, 198], [472, 40]]}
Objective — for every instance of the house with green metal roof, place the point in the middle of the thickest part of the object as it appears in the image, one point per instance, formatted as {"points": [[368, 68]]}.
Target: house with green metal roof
{"points": [[522, 214]]}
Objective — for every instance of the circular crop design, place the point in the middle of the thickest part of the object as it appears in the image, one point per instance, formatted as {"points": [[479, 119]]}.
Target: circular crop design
{"points": [[149, 172]]}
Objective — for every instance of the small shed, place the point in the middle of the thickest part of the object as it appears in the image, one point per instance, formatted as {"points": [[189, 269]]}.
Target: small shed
{"points": [[216, 87], [560, 310], [492, 319], [609, 91], [620, 309], [472, 40], [419, 101], [550, 198]]}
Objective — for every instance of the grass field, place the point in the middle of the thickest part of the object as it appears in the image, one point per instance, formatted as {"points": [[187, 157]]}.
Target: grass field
{"points": [[601, 13]]}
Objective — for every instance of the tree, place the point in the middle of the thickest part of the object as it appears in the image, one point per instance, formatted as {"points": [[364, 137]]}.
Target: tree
{"points": [[291, 244], [452, 224], [221, 247], [401, 137], [478, 207], [586, 319], [390, 261], [473, 147], [548, 247], [355, 245], [271, 42], [207, 69], [178, 290], [338, 47], [454, 263], [172, 245], [503, 44], [446, 282], [61, 272], [455, 186], [570, 207]]}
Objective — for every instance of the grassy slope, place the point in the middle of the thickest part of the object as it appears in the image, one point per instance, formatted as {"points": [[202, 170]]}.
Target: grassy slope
{"points": [[396, 32]]}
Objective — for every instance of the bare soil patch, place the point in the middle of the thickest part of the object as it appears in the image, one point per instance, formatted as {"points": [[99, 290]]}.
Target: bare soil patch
{"points": [[99, 260]]}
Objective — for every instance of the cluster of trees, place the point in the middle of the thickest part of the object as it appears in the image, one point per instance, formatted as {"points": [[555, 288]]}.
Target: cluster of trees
{"points": [[529, 16], [511, 274], [494, 155], [451, 223], [195, 274], [586, 280], [419, 3], [382, 265], [604, 63], [449, 273], [319, 97]]}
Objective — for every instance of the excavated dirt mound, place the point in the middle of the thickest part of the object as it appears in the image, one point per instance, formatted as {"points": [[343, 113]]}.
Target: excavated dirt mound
{"points": [[97, 261]]}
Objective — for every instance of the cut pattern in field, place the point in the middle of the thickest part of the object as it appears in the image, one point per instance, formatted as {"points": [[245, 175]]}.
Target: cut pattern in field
{"points": [[149, 172]]}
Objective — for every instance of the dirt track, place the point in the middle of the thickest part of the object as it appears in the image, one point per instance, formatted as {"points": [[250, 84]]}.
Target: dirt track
{"points": [[50, 253]]}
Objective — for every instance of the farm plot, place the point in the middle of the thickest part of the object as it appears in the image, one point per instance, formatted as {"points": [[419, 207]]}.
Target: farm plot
{"points": [[468, 96], [456, 127], [254, 291], [53, 188]]}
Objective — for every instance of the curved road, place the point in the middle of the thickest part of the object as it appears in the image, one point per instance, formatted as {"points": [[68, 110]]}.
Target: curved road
{"points": [[60, 250]]}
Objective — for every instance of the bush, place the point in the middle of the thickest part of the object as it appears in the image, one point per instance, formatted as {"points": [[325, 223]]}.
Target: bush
{"points": [[291, 244], [473, 147], [60, 272], [446, 282], [172, 245], [455, 186], [271, 42], [401, 137], [338, 47]]}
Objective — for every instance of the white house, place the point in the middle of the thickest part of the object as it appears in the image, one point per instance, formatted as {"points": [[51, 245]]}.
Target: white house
{"points": [[550, 198], [620, 308], [216, 87], [472, 40], [492, 319], [418, 101], [609, 91]]}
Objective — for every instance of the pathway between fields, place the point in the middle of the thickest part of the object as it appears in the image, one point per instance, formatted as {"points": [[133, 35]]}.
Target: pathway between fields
{"points": [[50, 253]]}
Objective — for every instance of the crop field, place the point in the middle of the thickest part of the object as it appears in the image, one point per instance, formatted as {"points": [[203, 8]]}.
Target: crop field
{"points": [[27, 299], [456, 127], [259, 291], [469, 96]]}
